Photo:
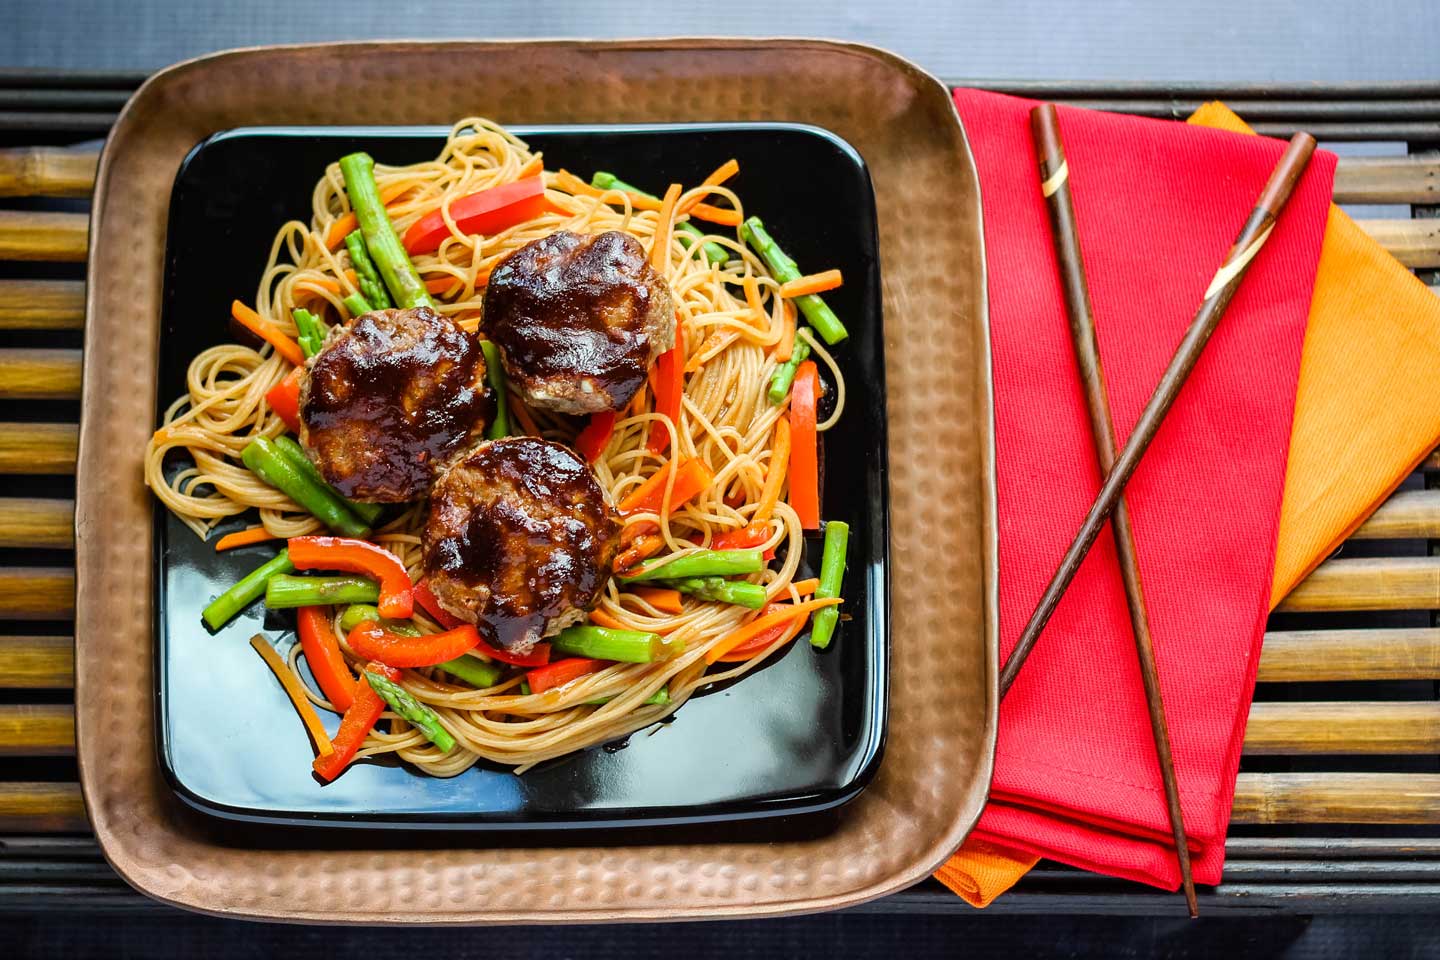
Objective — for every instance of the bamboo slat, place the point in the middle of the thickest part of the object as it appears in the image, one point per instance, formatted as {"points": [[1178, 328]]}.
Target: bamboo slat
{"points": [[38, 448], [1412, 179], [36, 235], [37, 663], [1379, 583], [46, 172], [42, 304], [39, 374], [1381, 654], [1343, 727], [1337, 798], [37, 730], [35, 522], [1408, 513], [37, 593], [38, 807], [1415, 243]]}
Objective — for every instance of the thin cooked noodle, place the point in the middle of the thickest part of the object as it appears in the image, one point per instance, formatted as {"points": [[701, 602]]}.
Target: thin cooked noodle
{"points": [[725, 420]]}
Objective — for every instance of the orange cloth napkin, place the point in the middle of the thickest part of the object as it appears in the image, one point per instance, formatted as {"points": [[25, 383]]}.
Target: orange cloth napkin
{"points": [[1365, 416]]}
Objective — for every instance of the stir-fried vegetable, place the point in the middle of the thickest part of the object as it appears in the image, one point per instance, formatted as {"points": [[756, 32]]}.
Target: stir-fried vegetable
{"points": [[243, 538], [700, 563], [811, 283], [560, 672], [784, 613], [480, 674], [312, 331], [359, 556], [322, 652], [659, 697], [605, 643], [356, 304], [485, 213], [268, 332], [739, 592], [367, 277], [804, 447], [372, 641], [368, 512], [821, 317], [284, 592], [270, 465], [763, 640], [284, 399], [495, 373], [247, 591], [688, 233], [356, 724], [414, 712], [832, 573], [383, 245], [592, 440], [664, 599], [667, 381], [295, 690], [692, 479]]}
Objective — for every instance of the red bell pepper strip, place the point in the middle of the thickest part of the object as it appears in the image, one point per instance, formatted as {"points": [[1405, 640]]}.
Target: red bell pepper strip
{"points": [[359, 556], [487, 212], [804, 459], [372, 641], [561, 672], [744, 538], [538, 656], [668, 385], [355, 725], [284, 399], [592, 440], [322, 653]]}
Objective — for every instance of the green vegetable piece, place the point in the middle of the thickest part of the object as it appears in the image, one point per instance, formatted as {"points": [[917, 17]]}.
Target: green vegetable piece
{"points": [[358, 613], [224, 607], [784, 376], [267, 462], [603, 643], [687, 234], [739, 592], [311, 329], [832, 572], [480, 674], [356, 304], [372, 288], [816, 310], [661, 696], [416, 713], [381, 241], [701, 563], [368, 512], [283, 592], [525, 688], [495, 373]]}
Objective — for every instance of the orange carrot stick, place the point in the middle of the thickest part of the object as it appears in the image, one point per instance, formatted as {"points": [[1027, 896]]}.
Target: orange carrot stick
{"points": [[345, 224], [693, 478], [243, 538], [660, 248], [644, 546], [724, 216], [532, 166], [296, 692], [266, 331], [785, 346], [602, 619], [722, 173], [661, 598], [805, 587], [752, 299], [573, 185], [779, 464], [811, 283], [738, 636]]}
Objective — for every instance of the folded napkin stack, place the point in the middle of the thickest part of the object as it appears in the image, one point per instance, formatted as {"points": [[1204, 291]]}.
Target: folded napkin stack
{"points": [[1076, 778]]}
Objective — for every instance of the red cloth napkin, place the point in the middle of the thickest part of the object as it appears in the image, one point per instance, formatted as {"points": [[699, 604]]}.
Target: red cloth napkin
{"points": [[1158, 205]]}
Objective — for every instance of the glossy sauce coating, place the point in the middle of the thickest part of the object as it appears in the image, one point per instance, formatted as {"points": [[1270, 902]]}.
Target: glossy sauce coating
{"points": [[519, 540], [578, 320], [389, 399]]}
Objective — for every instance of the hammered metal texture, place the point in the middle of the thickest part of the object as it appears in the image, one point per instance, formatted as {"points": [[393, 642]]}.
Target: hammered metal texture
{"points": [[936, 770]]}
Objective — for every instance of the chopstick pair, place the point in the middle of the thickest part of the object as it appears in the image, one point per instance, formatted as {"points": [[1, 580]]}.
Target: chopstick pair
{"points": [[1054, 178]]}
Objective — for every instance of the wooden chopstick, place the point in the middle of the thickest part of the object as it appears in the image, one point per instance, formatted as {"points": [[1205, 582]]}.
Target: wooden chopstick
{"points": [[1055, 184], [1222, 289]]}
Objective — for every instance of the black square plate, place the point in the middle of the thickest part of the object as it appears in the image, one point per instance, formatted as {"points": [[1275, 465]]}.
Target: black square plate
{"points": [[802, 733]]}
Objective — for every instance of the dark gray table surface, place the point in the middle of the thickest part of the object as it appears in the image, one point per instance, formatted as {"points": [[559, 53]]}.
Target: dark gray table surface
{"points": [[1150, 40]]}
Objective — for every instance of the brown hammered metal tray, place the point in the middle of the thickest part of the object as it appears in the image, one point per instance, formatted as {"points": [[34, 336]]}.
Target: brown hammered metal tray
{"points": [[936, 770]]}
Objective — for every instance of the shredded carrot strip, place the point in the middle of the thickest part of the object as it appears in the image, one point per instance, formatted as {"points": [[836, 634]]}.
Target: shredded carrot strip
{"points": [[811, 283], [722, 173], [644, 546], [660, 248], [806, 587], [243, 538], [716, 341], [266, 331], [296, 692], [522, 413], [785, 347], [573, 185], [532, 167], [752, 299], [779, 463], [738, 636], [442, 285], [324, 283], [602, 619], [724, 216], [346, 223], [661, 598]]}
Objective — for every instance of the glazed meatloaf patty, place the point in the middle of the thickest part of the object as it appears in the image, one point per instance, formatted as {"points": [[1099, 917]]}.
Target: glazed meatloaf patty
{"points": [[519, 540], [389, 399], [578, 320]]}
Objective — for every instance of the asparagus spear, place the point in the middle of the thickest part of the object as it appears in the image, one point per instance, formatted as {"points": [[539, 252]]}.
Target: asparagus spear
{"points": [[419, 716], [689, 232], [816, 310], [372, 288], [660, 696], [283, 592], [312, 331], [381, 241], [368, 512], [739, 592], [356, 304], [701, 563], [248, 590], [832, 572], [495, 373], [358, 613], [474, 671], [270, 465], [603, 643], [784, 376]]}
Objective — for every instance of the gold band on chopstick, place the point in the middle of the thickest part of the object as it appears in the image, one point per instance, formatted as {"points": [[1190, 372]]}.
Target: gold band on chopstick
{"points": [[1232, 269], [1053, 182]]}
